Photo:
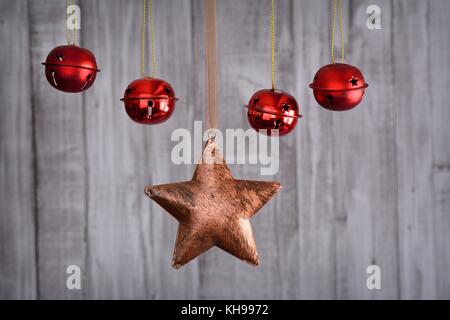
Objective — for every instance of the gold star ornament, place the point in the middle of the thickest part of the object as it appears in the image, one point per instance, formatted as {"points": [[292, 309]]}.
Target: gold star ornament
{"points": [[213, 209]]}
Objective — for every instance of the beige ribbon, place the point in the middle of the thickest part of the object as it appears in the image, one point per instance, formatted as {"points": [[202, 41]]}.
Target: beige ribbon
{"points": [[211, 64]]}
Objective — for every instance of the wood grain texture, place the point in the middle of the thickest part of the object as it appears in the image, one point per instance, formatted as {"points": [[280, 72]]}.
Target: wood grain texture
{"points": [[128, 237], [17, 202], [439, 60], [365, 181], [60, 160], [422, 152], [115, 158], [415, 163], [317, 278], [367, 186]]}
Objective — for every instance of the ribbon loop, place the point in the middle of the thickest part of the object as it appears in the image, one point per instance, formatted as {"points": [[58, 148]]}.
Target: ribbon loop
{"points": [[152, 34], [341, 30]]}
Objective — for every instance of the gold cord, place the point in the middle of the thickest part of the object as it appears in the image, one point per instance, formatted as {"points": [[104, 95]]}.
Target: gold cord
{"points": [[65, 21], [152, 34], [341, 30], [272, 27], [75, 29], [152, 30], [69, 3]]}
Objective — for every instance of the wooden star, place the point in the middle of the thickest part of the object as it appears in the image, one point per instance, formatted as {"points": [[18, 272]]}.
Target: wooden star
{"points": [[213, 209]]}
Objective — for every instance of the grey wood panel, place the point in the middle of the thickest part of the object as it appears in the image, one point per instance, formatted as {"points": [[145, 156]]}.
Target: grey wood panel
{"points": [[365, 181], [284, 213], [316, 262], [422, 55], [131, 238], [372, 49], [438, 64], [17, 228], [117, 256], [415, 150], [60, 160]]}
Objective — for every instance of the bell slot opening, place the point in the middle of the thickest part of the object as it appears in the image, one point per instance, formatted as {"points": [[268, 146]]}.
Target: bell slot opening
{"points": [[277, 123], [330, 101], [53, 78], [88, 78], [150, 105]]}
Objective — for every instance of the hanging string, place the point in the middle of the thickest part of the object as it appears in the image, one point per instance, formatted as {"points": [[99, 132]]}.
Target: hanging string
{"points": [[69, 3], [152, 35], [341, 30], [272, 31], [74, 29], [67, 17], [211, 64]]}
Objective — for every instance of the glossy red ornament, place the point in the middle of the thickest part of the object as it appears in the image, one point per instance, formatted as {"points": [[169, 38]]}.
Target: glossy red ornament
{"points": [[339, 87], [70, 68], [149, 100], [273, 109]]}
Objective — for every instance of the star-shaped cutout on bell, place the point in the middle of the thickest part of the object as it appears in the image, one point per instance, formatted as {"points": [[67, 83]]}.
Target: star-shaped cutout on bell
{"points": [[354, 81], [213, 209], [285, 107]]}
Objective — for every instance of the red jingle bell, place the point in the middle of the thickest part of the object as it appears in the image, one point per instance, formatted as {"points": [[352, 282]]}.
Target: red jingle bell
{"points": [[70, 68], [273, 110], [149, 100], [339, 87]]}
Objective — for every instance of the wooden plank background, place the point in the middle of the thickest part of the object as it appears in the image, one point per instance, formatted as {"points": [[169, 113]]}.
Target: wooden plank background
{"points": [[370, 186]]}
